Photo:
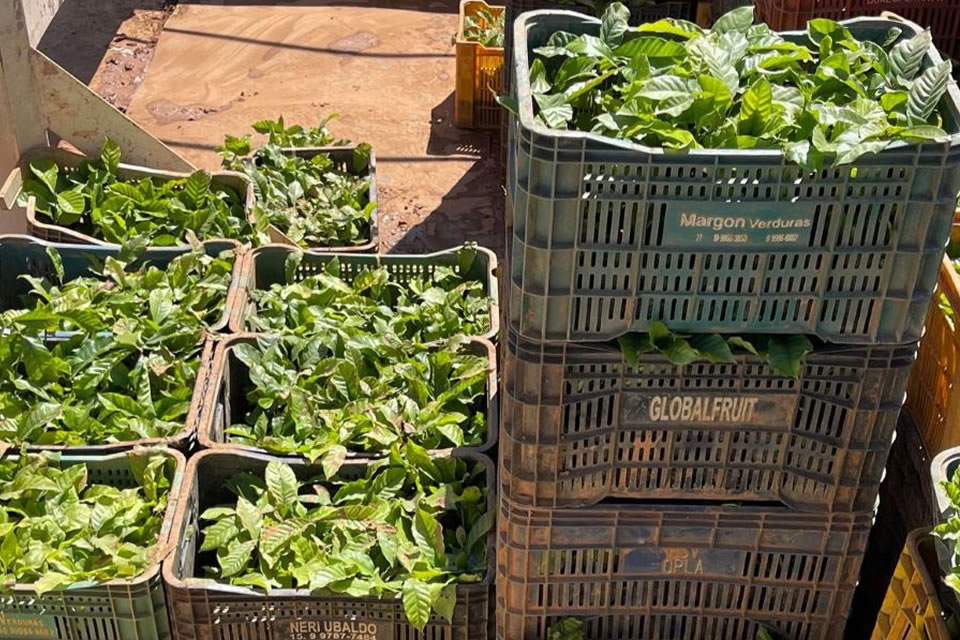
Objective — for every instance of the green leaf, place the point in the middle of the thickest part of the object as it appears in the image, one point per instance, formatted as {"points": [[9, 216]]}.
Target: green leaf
{"points": [[236, 557], [283, 486], [39, 319], [47, 172], [56, 262], [672, 27], [738, 20], [715, 61], [566, 629], [742, 343], [907, 55], [510, 103], [614, 24], [539, 83], [823, 29], [446, 602], [51, 581], [250, 517], [757, 108], [291, 264], [665, 87], [786, 354], [71, 200], [428, 535], [653, 47], [712, 347], [196, 188], [927, 91], [554, 110], [37, 418], [110, 155], [418, 599], [333, 459], [219, 534]]}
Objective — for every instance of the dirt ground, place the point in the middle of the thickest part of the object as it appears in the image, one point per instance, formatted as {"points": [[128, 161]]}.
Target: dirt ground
{"points": [[191, 73]]}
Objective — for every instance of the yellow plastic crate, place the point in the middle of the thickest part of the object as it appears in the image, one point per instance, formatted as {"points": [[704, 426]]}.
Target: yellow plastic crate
{"points": [[933, 391], [479, 74], [911, 609]]}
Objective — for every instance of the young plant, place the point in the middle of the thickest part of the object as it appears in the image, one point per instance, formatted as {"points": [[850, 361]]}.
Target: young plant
{"points": [[566, 629], [93, 199], [424, 309], [171, 306], [784, 353], [329, 394], [410, 526], [96, 389], [949, 531], [485, 27], [128, 369], [58, 529], [311, 199], [739, 85]]}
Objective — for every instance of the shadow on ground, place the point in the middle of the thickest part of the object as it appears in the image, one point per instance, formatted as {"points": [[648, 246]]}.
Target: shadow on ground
{"points": [[472, 210]]}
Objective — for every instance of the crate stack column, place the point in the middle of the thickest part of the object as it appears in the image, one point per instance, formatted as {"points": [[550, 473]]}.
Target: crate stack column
{"points": [[709, 500]]}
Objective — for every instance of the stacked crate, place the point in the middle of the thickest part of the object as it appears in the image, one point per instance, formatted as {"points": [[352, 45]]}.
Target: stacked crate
{"points": [[710, 500]]}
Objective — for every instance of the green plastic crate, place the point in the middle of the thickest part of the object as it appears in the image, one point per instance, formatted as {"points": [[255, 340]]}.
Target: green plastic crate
{"points": [[677, 571], [26, 255], [265, 267], [203, 609], [580, 426], [225, 402], [609, 236], [117, 610]]}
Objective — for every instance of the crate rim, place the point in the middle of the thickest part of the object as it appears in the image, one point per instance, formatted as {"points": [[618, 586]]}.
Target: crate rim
{"points": [[279, 237], [611, 351], [461, 19], [65, 157], [733, 516], [938, 473], [190, 475], [166, 528], [218, 368], [238, 322], [521, 66]]}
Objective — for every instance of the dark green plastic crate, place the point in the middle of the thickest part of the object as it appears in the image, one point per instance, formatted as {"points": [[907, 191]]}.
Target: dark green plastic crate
{"points": [[580, 426], [599, 248], [118, 610], [202, 609], [26, 255], [656, 571], [265, 267]]}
